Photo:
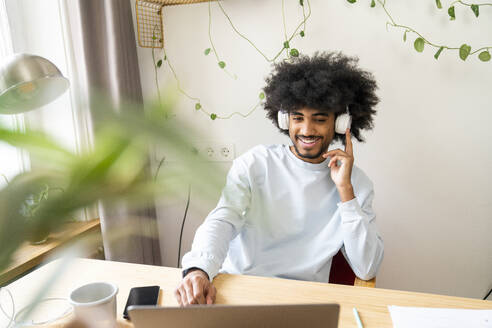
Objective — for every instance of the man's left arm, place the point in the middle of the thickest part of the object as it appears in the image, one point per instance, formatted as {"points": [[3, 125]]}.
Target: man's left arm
{"points": [[362, 243]]}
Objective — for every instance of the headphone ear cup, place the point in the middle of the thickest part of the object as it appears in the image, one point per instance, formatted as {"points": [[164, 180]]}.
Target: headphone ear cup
{"points": [[283, 120], [343, 122]]}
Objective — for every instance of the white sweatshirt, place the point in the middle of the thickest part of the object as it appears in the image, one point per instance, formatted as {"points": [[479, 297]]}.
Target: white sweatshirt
{"points": [[280, 216]]}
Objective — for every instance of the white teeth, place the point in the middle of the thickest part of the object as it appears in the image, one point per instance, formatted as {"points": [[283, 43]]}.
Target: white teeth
{"points": [[308, 141]]}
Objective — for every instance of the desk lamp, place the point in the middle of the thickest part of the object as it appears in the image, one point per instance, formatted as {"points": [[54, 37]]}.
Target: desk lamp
{"points": [[28, 82]]}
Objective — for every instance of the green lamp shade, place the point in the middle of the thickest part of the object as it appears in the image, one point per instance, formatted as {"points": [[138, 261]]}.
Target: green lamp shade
{"points": [[28, 82]]}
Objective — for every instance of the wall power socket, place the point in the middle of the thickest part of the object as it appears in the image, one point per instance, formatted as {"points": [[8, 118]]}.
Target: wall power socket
{"points": [[206, 151], [216, 151]]}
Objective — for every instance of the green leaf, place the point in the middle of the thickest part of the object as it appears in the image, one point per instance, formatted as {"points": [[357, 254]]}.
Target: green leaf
{"points": [[419, 44], [438, 4], [262, 95], [405, 36], [198, 106], [302, 33], [464, 51], [475, 9], [207, 51], [286, 44], [222, 64], [451, 13], [294, 52], [213, 116], [159, 63], [484, 56], [352, 1], [373, 4], [165, 57], [436, 56], [301, 2]]}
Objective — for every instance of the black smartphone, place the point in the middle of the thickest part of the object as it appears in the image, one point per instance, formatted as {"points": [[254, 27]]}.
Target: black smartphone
{"points": [[141, 296]]}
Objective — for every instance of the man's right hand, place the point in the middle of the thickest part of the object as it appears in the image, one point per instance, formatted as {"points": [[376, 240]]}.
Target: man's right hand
{"points": [[195, 288]]}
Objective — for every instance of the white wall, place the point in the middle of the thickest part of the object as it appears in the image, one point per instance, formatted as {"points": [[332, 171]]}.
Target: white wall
{"points": [[429, 155]]}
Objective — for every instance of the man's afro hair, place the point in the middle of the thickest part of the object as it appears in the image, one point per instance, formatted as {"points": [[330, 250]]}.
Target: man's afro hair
{"points": [[327, 81]]}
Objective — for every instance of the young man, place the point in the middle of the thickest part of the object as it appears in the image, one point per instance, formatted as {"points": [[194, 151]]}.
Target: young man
{"points": [[287, 210]]}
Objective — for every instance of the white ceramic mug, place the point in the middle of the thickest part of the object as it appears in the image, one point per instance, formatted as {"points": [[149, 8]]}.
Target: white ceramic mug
{"points": [[94, 304]]}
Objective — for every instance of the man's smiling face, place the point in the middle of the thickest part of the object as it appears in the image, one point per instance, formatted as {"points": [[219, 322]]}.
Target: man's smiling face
{"points": [[311, 132]]}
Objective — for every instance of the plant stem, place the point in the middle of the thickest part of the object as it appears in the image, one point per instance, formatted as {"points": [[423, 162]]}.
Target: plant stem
{"points": [[212, 43], [210, 34], [178, 84], [468, 4], [241, 114], [306, 17], [155, 67], [239, 33], [159, 167], [285, 27]]}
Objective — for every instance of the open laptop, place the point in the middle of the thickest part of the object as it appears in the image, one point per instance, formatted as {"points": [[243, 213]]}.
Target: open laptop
{"points": [[237, 316]]}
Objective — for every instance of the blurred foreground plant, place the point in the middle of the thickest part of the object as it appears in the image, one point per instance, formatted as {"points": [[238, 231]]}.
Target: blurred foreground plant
{"points": [[116, 170]]}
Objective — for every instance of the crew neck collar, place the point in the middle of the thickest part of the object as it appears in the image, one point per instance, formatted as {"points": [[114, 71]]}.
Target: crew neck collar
{"points": [[323, 166]]}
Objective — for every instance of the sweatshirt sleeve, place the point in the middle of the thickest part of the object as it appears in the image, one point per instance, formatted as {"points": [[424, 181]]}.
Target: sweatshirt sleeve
{"points": [[363, 246], [212, 238]]}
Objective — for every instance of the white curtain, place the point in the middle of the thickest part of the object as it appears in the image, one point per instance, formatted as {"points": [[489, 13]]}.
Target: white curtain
{"points": [[12, 160]]}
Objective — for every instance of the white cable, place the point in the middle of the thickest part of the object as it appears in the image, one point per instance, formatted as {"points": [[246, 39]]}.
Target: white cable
{"points": [[10, 317], [39, 323], [15, 315]]}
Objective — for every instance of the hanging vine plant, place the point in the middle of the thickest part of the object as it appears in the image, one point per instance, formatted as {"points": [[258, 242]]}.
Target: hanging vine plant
{"points": [[286, 46], [464, 51]]}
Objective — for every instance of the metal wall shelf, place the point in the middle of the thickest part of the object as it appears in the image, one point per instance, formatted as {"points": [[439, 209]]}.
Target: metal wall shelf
{"points": [[149, 20]]}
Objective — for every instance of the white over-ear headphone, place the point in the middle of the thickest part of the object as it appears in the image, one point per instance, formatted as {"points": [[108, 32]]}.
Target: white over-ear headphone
{"points": [[342, 123], [283, 120]]}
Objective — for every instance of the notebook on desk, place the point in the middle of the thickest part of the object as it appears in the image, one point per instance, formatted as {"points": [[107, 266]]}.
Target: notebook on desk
{"points": [[238, 316]]}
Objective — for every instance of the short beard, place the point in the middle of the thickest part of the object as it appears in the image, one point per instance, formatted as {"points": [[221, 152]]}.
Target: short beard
{"points": [[308, 156]]}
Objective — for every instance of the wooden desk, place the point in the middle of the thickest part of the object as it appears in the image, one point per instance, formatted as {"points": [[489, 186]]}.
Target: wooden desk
{"points": [[235, 289], [28, 255]]}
